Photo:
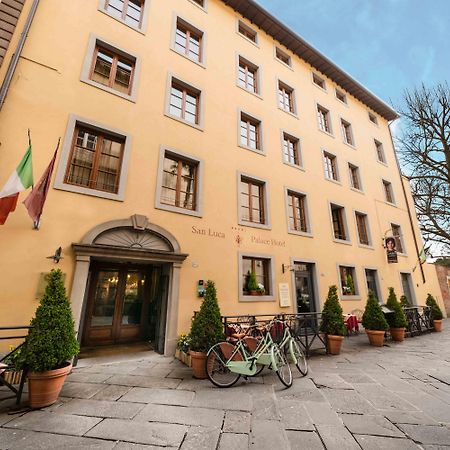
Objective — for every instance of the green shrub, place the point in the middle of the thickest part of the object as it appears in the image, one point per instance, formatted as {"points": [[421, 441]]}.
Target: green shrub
{"points": [[373, 317], [332, 320], [397, 319], [436, 313], [405, 302], [350, 284], [252, 284], [52, 339], [207, 327]]}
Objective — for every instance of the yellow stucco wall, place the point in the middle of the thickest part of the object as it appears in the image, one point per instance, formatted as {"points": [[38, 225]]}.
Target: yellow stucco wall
{"points": [[46, 88]]}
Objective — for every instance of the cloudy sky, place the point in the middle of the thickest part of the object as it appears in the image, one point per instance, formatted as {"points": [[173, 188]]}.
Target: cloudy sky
{"points": [[387, 45]]}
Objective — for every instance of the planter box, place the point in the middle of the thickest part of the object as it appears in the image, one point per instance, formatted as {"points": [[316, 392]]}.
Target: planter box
{"points": [[185, 358]]}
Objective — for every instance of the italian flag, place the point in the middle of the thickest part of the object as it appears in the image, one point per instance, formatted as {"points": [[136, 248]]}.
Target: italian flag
{"points": [[20, 179]]}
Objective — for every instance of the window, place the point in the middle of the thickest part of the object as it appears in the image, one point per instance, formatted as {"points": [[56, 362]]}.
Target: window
{"points": [[286, 97], [263, 267], [297, 212], [348, 280], [338, 219], [247, 32], [248, 76], [347, 133], [323, 117], [398, 236], [252, 201], [330, 165], [341, 96], [291, 150], [184, 102], [318, 81], [373, 118], [112, 70], [354, 177], [188, 41], [250, 132], [361, 224], [282, 56], [389, 196], [380, 151], [129, 11], [95, 160], [199, 2]]}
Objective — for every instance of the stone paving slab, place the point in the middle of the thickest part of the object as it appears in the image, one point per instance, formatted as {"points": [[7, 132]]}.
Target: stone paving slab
{"points": [[230, 441], [111, 392], [31, 440], [81, 390], [413, 418], [181, 415], [304, 440], [223, 399], [294, 415], [54, 423], [201, 438], [268, 434], [131, 446], [237, 422], [153, 371], [379, 397], [427, 434], [385, 443], [144, 381], [371, 425], [348, 402], [337, 438], [160, 434], [322, 414], [101, 408], [159, 396], [86, 377]]}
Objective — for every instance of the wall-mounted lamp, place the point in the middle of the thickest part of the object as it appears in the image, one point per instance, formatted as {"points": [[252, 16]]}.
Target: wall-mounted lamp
{"points": [[287, 267]]}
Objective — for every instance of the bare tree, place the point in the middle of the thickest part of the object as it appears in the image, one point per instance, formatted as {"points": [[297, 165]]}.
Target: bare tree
{"points": [[424, 149]]}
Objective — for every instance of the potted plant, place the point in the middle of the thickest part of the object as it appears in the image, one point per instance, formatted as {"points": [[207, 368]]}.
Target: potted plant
{"points": [[333, 322], [373, 321], [261, 289], [252, 283], [436, 313], [50, 344], [206, 330], [350, 285], [182, 348], [397, 319], [404, 302]]}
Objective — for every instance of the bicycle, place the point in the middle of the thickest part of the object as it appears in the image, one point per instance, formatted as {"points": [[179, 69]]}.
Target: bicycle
{"points": [[226, 362]]}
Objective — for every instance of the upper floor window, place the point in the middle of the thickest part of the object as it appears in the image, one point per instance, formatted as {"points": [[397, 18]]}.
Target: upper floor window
{"points": [[354, 177], [341, 96], [349, 285], [323, 117], [291, 150], [330, 166], [286, 97], [282, 56], [373, 118], [95, 160], [252, 201], [247, 32], [184, 102], [318, 81], [129, 11], [398, 236], [361, 224], [248, 76], [339, 224], [388, 193], [297, 212], [380, 151], [347, 132], [200, 2], [188, 40], [250, 132]]}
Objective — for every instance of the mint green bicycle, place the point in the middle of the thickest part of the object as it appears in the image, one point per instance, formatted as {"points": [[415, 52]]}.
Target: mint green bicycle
{"points": [[226, 362]]}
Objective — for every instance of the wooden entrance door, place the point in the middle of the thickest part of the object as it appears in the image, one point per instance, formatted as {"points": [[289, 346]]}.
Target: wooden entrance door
{"points": [[117, 304]]}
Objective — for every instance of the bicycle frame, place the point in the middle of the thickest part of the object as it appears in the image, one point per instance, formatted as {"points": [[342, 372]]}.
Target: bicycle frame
{"points": [[287, 340]]}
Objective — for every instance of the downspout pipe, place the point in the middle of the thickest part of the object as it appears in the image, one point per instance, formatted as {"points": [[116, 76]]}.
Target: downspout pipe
{"points": [[16, 55], [411, 222]]}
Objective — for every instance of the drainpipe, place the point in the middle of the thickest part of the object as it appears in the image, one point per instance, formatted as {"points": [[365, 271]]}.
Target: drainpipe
{"points": [[16, 55], [411, 222]]}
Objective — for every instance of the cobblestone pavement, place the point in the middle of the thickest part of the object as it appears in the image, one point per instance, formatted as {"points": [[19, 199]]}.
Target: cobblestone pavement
{"points": [[397, 397]]}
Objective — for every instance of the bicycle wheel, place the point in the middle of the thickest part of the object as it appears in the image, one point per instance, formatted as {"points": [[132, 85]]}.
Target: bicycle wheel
{"points": [[216, 364], [302, 364], [283, 368]]}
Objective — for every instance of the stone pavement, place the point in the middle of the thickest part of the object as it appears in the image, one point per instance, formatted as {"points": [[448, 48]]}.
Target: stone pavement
{"points": [[397, 397]]}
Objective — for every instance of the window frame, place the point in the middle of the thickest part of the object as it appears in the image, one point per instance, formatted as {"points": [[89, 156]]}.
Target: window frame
{"points": [[281, 85], [271, 277], [278, 50], [328, 113], [287, 191], [257, 75], [203, 8], [102, 7], [338, 92], [190, 28], [351, 166], [357, 294], [398, 239], [373, 118], [240, 23], [322, 84], [171, 79], [387, 185], [344, 223], [333, 157], [198, 211], [379, 145], [259, 132], [347, 126], [298, 143], [367, 228], [75, 121], [264, 203], [94, 43]]}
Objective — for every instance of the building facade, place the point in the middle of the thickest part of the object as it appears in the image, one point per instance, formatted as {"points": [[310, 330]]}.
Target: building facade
{"points": [[443, 274], [200, 139]]}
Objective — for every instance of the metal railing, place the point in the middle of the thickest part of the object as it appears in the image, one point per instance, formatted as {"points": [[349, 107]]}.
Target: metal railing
{"points": [[419, 320]]}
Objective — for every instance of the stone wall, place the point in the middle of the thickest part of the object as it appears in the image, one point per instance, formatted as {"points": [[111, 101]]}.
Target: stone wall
{"points": [[443, 273]]}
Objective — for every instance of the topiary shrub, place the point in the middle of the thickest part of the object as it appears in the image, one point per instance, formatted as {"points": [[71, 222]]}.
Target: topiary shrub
{"points": [[397, 319], [206, 327], [373, 317], [252, 283], [51, 342], [436, 313], [332, 320], [404, 302]]}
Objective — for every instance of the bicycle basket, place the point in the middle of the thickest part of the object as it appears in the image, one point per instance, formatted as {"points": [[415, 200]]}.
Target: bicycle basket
{"points": [[277, 331]]}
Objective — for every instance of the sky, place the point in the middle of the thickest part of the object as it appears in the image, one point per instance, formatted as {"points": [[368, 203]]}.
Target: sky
{"points": [[386, 45]]}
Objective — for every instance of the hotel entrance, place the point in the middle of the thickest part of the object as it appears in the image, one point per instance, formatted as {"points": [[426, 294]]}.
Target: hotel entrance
{"points": [[304, 287]]}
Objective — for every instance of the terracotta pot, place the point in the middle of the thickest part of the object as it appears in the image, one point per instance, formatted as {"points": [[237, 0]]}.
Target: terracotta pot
{"points": [[198, 361], [397, 334], [376, 337], [437, 325], [44, 387], [334, 344]]}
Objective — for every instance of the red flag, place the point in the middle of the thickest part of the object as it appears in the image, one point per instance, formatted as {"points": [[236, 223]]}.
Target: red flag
{"points": [[7, 205], [36, 198]]}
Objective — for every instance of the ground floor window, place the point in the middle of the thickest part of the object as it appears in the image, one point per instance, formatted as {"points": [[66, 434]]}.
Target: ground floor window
{"points": [[256, 277], [348, 281]]}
